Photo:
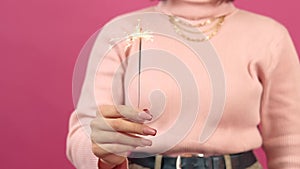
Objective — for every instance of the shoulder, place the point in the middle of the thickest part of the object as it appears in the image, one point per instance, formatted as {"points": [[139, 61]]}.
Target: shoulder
{"points": [[254, 22], [135, 12]]}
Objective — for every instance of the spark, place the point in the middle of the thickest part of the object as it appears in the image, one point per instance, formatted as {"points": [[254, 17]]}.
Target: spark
{"points": [[137, 34]]}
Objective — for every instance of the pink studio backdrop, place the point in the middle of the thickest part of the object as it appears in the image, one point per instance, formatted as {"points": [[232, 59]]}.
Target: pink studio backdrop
{"points": [[39, 44]]}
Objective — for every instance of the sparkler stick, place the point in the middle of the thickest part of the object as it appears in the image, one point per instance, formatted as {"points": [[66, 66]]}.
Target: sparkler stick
{"points": [[138, 34], [140, 67]]}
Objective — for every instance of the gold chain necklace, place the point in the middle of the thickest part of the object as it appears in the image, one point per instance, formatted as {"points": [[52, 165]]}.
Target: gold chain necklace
{"points": [[201, 24], [177, 24], [212, 31]]}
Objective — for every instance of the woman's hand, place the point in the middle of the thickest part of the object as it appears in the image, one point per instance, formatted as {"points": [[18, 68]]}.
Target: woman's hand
{"points": [[114, 132]]}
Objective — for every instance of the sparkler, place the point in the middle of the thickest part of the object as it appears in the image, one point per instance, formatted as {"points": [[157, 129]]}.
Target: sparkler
{"points": [[140, 67], [140, 35]]}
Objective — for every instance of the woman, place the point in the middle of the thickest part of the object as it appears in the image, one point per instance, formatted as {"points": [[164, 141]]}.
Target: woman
{"points": [[261, 71]]}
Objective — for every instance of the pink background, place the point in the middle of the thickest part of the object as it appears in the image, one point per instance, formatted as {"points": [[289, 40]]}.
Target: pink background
{"points": [[39, 44]]}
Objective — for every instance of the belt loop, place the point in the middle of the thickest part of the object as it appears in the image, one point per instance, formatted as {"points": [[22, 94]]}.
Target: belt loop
{"points": [[228, 161], [178, 162], [158, 160]]}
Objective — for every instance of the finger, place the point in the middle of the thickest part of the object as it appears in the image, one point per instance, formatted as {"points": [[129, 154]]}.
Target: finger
{"points": [[116, 149], [110, 111], [105, 137], [121, 125], [107, 157], [114, 159]]}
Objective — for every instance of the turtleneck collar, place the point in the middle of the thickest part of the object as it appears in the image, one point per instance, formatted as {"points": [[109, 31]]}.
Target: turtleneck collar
{"points": [[196, 9]]}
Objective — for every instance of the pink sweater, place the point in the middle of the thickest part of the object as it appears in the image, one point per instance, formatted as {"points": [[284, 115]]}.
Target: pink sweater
{"points": [[261, 87]]}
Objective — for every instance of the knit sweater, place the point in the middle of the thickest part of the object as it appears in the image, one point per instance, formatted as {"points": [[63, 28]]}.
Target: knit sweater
{"points": [[259, 89]]}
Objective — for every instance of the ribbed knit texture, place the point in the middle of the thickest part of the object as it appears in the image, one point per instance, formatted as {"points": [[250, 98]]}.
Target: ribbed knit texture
{"points": [[262, 75]]}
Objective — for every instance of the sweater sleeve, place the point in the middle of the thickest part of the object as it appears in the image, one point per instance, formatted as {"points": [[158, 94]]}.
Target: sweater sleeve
{"points": [[280, 110], [104, 68], [79, 150]]}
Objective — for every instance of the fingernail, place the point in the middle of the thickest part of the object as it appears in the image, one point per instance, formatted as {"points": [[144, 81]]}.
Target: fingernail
{"points": [[149, 131], [146, 142], [128, 153], [145, 116], [146, 110]]}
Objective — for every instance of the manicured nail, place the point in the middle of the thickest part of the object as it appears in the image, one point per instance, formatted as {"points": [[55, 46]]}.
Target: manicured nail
{"points": [[146, 110], [145, 116], [146, 142], [149, 131], [128, 153]]}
